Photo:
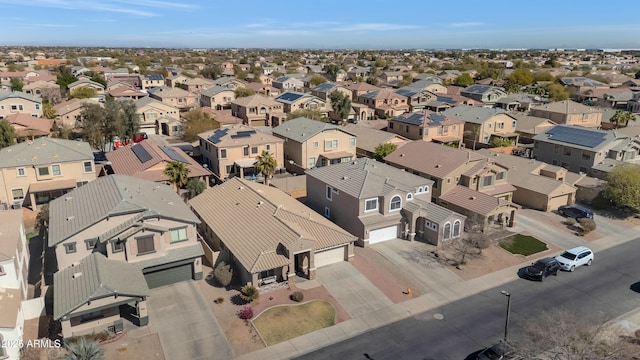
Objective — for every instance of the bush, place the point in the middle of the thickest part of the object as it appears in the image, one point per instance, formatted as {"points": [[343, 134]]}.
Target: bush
{"points": [[570, 221], [297, 296], [479, 241], [246, 313], [223, 273], [219, 300], [249, 293], [587, 224]]}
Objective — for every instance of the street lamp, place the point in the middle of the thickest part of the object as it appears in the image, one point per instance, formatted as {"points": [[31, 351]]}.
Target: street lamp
{"points": [[506, 323]]}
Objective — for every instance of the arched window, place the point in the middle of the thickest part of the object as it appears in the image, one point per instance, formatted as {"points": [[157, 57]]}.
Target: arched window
{"points": [[456, 228], [446, 235], [409, 196], [419, 190], [396, 203]]}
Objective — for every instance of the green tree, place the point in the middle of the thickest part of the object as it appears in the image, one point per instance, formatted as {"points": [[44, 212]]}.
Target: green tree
{"points": [[384, 149], [266, 164], [622, 117], [84, 349], [195, 187], [129, 119], [93, 124], [95, 77], [211, 72], [372, 80], [313, 114], [557, 92], [543, 76], [178, 174], [623, 187], [48, 111], [84, 92], [7, 134], [317, 80], [16, 84], [243, 92], [463, 80], [521, 77], [197, 121], [341, 105], [65, 76], [500, 142], [42, 218], [332, 71]]}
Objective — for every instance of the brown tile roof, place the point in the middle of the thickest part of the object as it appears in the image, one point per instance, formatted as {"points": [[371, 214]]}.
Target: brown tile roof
{"points": [[255, 100], [473, 201], [360, 86], [45, 78], [223, 117], [32, 126], [430, 158], [566, 107]]}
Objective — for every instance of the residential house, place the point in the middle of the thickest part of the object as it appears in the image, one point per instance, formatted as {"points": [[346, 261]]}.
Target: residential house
{"points": [[126, 92], [69, 113], [358, 73], [294, 101], [417, 98], [152, 80], [324, 90], [35, 172], [286, 83], [196, 85], [431, 85], [43, 89], [18, 102], [580, 84], [262, 88], [451, 168], [360, 88], [217, 97], [369, 139], [230, 82], [175, 97], [174, 80], [484, 124], [88, 85], [634, 103], [486, 94], [147, 160], [385, 102], [377, 202], [257, 110], [390, 78], [290, 240], [154, 114], [520, 102], [231, 151], [569, 112], [538, 185], [310, 143], [528, 126], [428, 126], [27, 127], [580, 150], [14, 263], [133, 80], [114, 239], [222, 117]]}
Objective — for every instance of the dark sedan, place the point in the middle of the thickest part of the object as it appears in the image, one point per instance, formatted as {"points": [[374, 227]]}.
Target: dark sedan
{"points": [[541, 269]]}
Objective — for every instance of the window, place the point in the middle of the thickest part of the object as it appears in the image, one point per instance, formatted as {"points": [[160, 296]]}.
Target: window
{"points": [[371, 204], [55, 169], [501, 175], [420, 190], [329, 193], [420, 132], [117, 246], [500, 125], [335, 144], [327, 212], [21, 172], [229, 168], [390, 125], [567, 151], [556, 148], [91, 316], [254, 149], [396, 203], [37, 106], [487, 180], [312, 161], [18, 194], [268, 147], [513, 124], [3, 352], [352, 142], [456, 228], [328, 144], [583, 170], [178, 235], [409, 196], [446, 234], [406, 129], [223, 153], [14, 107], [87, 166], [586, 156], [81, 183], [435, 183], [145, 245], [315, 144], [91, 243], [43, 171], [245, 151], [70, 248]]}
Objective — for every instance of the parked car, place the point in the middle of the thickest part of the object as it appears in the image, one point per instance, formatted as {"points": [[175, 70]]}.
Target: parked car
{"points": [[573, 258], [496, 352], [575, 211], [541, 269]]}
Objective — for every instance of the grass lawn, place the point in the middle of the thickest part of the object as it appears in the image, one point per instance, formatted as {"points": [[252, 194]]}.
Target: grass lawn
{"points": [[522, 244], [282, 323]]}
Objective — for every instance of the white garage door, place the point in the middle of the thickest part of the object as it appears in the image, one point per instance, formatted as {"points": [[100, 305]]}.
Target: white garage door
{"points": [[329, 256], [383, 234]]}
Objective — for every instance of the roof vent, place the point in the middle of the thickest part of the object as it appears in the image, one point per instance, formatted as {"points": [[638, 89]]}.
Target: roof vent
{"points": [[70, 217], [438, 165], [345, 178], [402, 155], [76, 275], [472, 198], [68, 198], [240, 187], [259, 203]]}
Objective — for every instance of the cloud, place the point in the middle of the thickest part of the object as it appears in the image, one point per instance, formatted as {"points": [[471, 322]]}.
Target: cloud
{"points": [[285, 32], [375, 27], [466, 24], [53, 25], [159, 4]]}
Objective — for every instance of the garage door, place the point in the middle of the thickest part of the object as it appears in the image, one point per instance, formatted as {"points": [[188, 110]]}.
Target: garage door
{"points": [[556, 202], [383, 234], [329, 256], [168, 276]]}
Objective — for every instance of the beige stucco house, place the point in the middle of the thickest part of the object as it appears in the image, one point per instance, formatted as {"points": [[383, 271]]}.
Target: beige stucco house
{"points": [[18, 102], [232, 150], [569, 112], [294, 101], [217, 97], [69, 113], [153, 113], [428, 126], [287, 240], [368, 139], [484, 124], [257, 110], [310, 143], [175, 97], [81, 84], [385, 102], [34, 172]]}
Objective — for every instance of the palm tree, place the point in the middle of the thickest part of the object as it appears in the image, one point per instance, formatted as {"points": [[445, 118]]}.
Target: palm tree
{"points": [[178, 174], [266, 164], [84, 349], [622, 117]]}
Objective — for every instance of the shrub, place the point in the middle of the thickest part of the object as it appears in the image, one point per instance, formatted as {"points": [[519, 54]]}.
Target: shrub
{"points": [[219, 300], [223, 273], [246, 313], [249, 293], [570, 221], [297, 296], [587, 224], [479, 241]]}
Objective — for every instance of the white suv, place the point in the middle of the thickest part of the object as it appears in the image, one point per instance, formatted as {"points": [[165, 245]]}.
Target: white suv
{"points": [[572, 258]]}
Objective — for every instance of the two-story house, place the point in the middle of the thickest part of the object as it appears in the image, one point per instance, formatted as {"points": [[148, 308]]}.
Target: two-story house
{"points": [[385, 102], [14, 262], [18, 102], [257, 110], [69, 113], [152, 113], [196, 85], [44, 89], [487, 94], [417, 98], [483, 124], [377, 202], [294, 101], [114, 239], [88, 85], [310, 143], [569, 112], [232, 150], [34, 172], [291, 240], [369, 139], [26, 127], [230, 82], [428, 126], [217, 97], [175, 97], [285, 83], [151, 80]]}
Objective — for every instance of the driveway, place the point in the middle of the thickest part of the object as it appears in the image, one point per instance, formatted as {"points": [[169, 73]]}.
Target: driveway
{"points": [[185, 324], [353, 290]]}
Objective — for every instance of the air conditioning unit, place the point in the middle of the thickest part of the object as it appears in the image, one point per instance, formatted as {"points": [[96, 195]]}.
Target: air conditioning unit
{"points": [[17, 205]]}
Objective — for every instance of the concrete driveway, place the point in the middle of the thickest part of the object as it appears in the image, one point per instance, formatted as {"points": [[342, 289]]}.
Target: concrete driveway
{"points": [[184, 322]]}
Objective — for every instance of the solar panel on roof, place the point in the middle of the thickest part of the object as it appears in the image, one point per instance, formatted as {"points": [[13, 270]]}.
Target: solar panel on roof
{"points": [[576, 136], [173, 154], [217, 135], [142, 153], [290, 96], [243, 134]]}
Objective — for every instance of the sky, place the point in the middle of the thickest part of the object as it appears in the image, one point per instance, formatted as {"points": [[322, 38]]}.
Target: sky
{"points": [[327, 24]]}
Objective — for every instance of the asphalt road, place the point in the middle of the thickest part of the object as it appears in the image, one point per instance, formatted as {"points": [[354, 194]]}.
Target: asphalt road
{"points": [[600, 292]]}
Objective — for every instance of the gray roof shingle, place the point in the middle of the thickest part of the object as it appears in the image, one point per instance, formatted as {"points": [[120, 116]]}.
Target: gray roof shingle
{"points": [[44, 151], [302, 129]]}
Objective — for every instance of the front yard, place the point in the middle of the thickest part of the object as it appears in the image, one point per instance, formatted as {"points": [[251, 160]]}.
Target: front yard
{"points": [[286, 322], [522, 244]]}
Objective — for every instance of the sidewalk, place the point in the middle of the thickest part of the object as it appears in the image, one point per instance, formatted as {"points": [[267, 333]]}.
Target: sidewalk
{"points": [[459, 290]]}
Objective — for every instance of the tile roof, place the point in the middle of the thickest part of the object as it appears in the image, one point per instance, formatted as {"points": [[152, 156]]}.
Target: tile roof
{"points": [[383, 94], [369, 138], [19, 95], [566, 107], [302, 129], [167, 92], [44, 151], [527, 124], [10, 223], [34, 126], [110, 196], [215, 90], [255, 100], [427, 118], [69, 106], [431, 211], [95, 277], [473, 201], [238, 135], [276, 219], [473, 114]]}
